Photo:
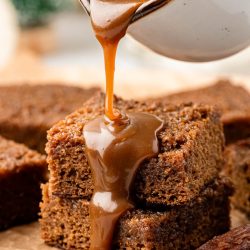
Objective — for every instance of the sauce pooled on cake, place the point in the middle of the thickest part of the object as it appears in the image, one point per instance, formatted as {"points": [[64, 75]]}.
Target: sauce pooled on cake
{"points": [[116, 143]]}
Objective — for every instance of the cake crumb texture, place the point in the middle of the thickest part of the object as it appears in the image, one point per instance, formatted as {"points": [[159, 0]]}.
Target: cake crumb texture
{"points": [[233, 102], [191, 144], [65, 222], [236, 239], [28, 111], [21, 173], [237, 166]]}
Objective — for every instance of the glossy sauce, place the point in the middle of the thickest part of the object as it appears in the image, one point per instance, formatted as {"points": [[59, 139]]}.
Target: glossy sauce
{"points": [[115, 150], [110, 20], [116, 143]]}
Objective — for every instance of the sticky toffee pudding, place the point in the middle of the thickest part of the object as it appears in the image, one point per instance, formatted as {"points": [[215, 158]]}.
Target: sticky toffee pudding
{"points": [[116, 143]]}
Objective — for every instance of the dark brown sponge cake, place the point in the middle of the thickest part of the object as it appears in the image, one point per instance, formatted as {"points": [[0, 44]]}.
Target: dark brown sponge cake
{"points": [[236, 239], [191, 145], [65, 222], [28, 111], [233, 102], [237, 166], [21, 173]]}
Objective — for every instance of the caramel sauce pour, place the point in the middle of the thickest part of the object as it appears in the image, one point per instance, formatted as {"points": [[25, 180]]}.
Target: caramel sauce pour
{"points": [[116, 143]]}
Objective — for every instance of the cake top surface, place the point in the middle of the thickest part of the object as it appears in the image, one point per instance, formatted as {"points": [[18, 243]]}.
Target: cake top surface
{"points": [[40, 104], [238, 238], [233, 101], [14, 156], [181, 122]]}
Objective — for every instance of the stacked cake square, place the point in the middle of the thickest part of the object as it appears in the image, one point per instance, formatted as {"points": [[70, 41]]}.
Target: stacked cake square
{"points": [[180, 200]]}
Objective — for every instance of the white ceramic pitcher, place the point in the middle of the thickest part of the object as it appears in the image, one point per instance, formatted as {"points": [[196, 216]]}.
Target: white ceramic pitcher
{"points": [[192, 30]]}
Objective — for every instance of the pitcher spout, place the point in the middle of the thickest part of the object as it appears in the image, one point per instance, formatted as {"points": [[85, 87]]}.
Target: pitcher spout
{"points": [[86, 5], [143, 10]]}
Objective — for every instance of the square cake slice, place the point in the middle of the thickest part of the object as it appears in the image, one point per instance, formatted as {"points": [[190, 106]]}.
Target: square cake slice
{"points": [[191, 143], [237, 166], [28, 111], [233, 102], [21, 173], [65, 222]]}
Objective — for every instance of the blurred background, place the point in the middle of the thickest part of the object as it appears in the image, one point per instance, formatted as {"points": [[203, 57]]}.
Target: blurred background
{"points": [[51, 41]]}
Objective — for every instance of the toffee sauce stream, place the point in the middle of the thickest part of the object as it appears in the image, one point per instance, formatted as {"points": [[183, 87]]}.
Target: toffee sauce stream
{"points": [[116, 143]]}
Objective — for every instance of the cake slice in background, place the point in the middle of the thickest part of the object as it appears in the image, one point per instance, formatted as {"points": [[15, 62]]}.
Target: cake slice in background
{"points": [[237, 166], [233, 102], [28, 111], [236, 239], [21, 173]]}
